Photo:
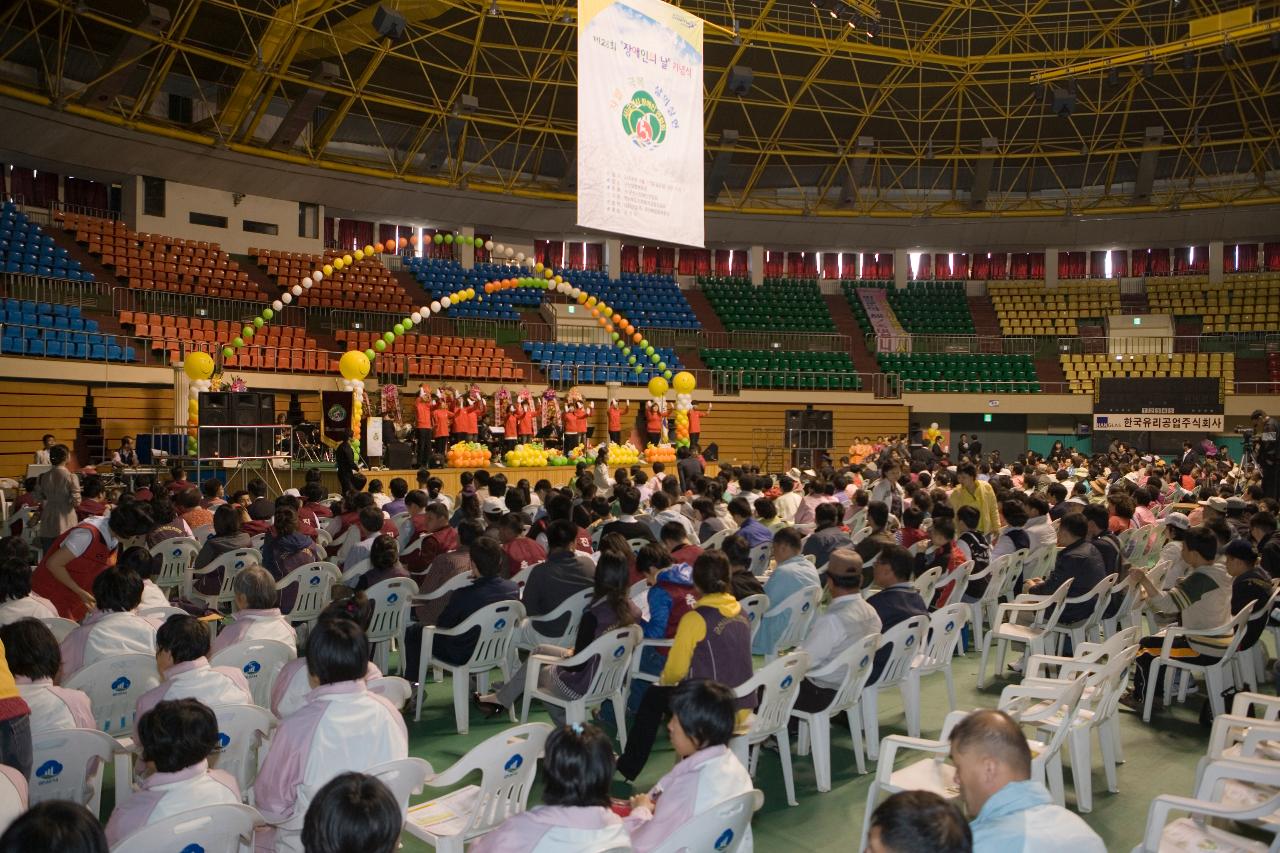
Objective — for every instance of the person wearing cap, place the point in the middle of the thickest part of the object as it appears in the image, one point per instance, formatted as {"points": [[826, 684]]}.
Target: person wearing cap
{"points": [[1174, 567], [1200, 600], [898, 599], [1212, 508], [1250, 584], [1266, 452], [1236, 508], [847, 620], [1262, 531], [493, 509]]}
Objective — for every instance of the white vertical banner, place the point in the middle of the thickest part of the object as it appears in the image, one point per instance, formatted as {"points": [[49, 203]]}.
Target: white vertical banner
{"points": [[640, 135]]}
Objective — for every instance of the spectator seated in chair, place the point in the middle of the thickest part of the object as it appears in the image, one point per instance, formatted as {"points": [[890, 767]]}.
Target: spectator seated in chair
{"points": [[384, 562], [182, 659], [113, 627], [17, 601], [55, 825], [352, 812], [140, 561], [34, 661], [792, 574], [228, 535], [257, 616], [918, 821], [293, 683]]}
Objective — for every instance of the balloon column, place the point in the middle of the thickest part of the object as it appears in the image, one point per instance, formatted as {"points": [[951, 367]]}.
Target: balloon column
{"points": [[354, 367], [199, 369], [684, 383]]}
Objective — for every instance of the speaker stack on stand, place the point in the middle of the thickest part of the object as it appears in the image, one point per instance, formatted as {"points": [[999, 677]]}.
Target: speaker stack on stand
{"points": [[808, 436], [224, 420]]}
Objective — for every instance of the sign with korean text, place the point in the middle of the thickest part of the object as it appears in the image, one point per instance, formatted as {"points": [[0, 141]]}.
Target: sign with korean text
{"points": [[1158, 423], [640, 131]]}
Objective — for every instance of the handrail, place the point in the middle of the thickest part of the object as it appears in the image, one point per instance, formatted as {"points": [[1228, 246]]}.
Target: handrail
{"points": [[1260, 342], [82, 210], [95, 295], [788, 341], [943, 344]]}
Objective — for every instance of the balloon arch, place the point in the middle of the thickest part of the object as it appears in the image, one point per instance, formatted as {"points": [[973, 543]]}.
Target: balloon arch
{"points": [[354, 366]]}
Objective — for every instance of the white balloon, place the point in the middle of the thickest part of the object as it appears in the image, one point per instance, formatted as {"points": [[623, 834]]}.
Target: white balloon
{"points": [[286, 298], [305, 281], [277, 305], [498, 248], [317, 276], [416, 316], [520, 257], [357, 384], [346, 385], [193, 392], [488, 245], [425, 310], [435, 307], [575, 293], [296, 290], [508, 251], [444, 302]]}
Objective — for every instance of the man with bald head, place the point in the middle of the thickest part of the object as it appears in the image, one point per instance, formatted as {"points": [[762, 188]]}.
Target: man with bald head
{"points": [[848, 618], [1007, 811]]}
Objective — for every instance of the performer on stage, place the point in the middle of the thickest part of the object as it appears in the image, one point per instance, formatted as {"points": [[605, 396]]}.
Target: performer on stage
{"points": [[441, 423], [616, 413], [576, 414], [126, 456], [466, 415], [511, 424], [695, 424], [653, 412], [422, 408], [528, 415]]}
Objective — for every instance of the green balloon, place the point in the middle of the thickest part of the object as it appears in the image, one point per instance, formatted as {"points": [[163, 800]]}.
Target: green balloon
{"points": [[478, 242], [437, 239], [448, 238], [648, 348], [631, 360], [408, 322], [667, 375], [626, 350], [662, 365], [398, 328], [227, 352], [616, 337], [237, 342], [389, 337], [247, 332], [639, 370], [380, 346], [267, 314], [655, 358], [370, 354], [258, 322]]}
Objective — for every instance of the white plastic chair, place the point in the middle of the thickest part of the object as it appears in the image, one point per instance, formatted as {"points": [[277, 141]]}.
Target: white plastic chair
{"points": [[760, 556], [983, 610], [176, 556], [1251, 662], [59, 626], [494, 648], [754, 607], [403, 776], [798, 609], [29, 518], [611, 653], [935, 655], [209, 829], [259, 661], [203, 532], [1086, 629], [506, 763], [854, 664], [315, 590], [68, 765], [242, 734], [114, 686], [1039, 561], [1195, 832], [521, 578], [1033, 703], [1129, 613], [959, 580], [927, 583], [905, 639], [13, 794], [781, 682], [344, 544], [157, 615], [721, 828], [570, 611], [637, 543], [1212, 673], [230, 565], [391, 599], [919, 547], [1045, 613], [393, 688], [715, 540]]}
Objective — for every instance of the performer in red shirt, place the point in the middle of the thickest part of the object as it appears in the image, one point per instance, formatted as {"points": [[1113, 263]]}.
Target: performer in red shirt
{"points": [[695, 424], [528, 415], [510, 426], [616, 414], [422, 421], [575, 424], [441, 423], [653, 421]]}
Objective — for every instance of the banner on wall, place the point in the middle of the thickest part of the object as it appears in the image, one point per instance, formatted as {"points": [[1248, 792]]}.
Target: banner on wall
{"points": [[640, 123], [890, 335], [335, 423]]}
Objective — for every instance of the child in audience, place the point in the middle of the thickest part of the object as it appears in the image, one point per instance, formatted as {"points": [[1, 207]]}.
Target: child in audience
{"points": [[17, 601], [182, 658], [54, 825], [139, 561], [293, 684], [113, 627], [34, 660], [911, 532], [353, 812], [341, 727], [702, 720], [257, 617], [575, 813], [177, 738]]}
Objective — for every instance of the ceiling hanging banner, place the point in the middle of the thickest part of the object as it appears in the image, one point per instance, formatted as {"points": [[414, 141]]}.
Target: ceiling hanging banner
{"points": [[640, 134]]}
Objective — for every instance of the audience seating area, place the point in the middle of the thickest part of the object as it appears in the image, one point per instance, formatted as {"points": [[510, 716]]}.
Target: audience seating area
{"points": [[779, 305], [787, 370], [647, 299], [592, 363], [931, 308], [1083, 369], [962, 372], [57, 331], [1030, 308], [365, 286], [1245, 302], [158, 262], [440, 356], [26, 249], [445, 277], [176, 334]]}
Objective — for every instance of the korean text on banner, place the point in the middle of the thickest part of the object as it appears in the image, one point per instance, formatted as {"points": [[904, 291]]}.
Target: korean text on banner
{"points": [[640, 127], [890, 335]]}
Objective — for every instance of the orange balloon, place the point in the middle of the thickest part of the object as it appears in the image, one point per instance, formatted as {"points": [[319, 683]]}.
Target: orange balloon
{"points": [[488, 288], [637, 337], [631, 330], [389, 246], [403, 242], [603, 322]]}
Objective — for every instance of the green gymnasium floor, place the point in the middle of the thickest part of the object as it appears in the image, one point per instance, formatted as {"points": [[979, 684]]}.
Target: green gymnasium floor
{"points": [[1159, 758]]}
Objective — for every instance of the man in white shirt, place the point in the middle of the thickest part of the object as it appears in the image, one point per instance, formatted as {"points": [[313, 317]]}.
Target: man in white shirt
{"points": [[46, 444], [789, 501], [847, 620], [663, 512], [1040, 532]]}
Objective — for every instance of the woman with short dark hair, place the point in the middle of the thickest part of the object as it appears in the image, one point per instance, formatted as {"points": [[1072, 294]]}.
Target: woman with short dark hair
{"points": [[352, 812], [35, 659], [113, 627], [55, 825]]}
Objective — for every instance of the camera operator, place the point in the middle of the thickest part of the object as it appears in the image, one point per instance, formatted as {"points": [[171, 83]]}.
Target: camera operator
{"points": [[1266, 453]]}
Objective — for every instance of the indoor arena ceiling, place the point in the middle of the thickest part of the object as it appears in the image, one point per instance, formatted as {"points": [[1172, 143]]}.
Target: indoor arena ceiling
{"points": [[936, 114]]}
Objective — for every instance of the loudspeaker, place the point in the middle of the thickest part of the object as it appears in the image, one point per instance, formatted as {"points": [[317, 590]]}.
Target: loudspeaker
{"points": [[817, 419], [253, 408], [398, 455], [740, 80], [803, 459], [388, 23], [795, 419], [266, 407], [215, 409]]}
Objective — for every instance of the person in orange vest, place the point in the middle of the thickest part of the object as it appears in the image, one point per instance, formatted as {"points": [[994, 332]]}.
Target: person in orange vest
{"points": [[528, 415], [66, 572], [422, 422], [511, 427], [653, 421], [467, 418], [575, 424], [695, 424], [441, 425], [615, 413]]}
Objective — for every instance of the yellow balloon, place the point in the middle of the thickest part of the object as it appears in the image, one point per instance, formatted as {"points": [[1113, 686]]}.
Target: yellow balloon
{"points": [[346, 259], [582, 298], [537, 267], [684, 383], [198, 365], [338, 263], [327, 269], [354, 365], [368, 250], [658, 386], [359, 253]]}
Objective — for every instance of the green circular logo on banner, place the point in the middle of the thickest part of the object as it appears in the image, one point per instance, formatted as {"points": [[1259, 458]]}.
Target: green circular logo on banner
{"points": [[337, 413], [643, 122]]}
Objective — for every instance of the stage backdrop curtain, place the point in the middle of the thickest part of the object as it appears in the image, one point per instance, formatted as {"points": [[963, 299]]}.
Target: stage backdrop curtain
{"points": [[666, 259], [38, 189], [849, 265], [695, 262], [1035, 265], [738, 262], [1120, 263], [941, 266], [1158, 263], [981, 267], [1200, 263], [923, 270], [1241, 258], [573, 255], [999, 270], [1098, 264]]}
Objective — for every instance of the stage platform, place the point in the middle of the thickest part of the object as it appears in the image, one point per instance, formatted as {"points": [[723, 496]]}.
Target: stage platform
{"points": [[559, 475]]}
